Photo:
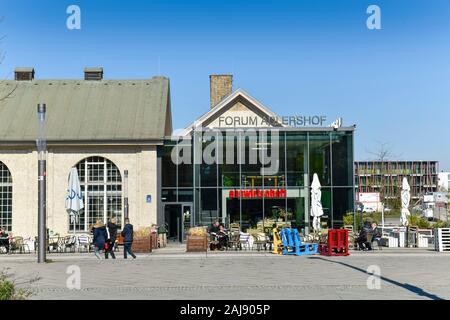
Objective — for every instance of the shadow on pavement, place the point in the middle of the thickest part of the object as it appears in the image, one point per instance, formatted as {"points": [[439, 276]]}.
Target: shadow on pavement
{"points": [[406, 286]]}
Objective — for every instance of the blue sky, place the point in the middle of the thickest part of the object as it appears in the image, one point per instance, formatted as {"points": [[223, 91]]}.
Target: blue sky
{"points": [[296, 57]]}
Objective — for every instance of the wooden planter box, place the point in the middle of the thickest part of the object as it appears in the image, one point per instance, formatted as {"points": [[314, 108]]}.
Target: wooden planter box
{"points": [[142, 244], [196, 244]]}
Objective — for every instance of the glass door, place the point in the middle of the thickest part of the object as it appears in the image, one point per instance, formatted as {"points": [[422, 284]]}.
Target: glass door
{"points": [[178, 220], [187, 221]]}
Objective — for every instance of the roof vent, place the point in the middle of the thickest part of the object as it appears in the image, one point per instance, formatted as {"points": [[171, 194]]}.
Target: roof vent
{"points": [[93, 74], [24, 74]]}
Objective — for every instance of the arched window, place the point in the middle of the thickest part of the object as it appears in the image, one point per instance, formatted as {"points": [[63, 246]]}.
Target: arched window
{"points": [[5, 197], [101, 185]]}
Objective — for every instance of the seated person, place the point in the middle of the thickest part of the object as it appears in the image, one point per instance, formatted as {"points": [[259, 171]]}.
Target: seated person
{"points": [[214, 227], [377, 235], [362, 238], [222, 236], [213, 232], [4, 240]]}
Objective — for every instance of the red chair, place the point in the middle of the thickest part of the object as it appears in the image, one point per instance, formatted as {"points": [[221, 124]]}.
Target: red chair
{"points": [[337, 243]]}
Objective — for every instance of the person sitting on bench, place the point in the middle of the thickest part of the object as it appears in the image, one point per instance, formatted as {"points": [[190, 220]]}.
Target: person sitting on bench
{"points": [[213, 232], [363, 244], [222, 236], [376, 234]]}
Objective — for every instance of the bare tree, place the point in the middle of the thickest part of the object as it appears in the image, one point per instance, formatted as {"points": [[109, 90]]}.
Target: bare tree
{"points": [[383, 152], [2, 58]]}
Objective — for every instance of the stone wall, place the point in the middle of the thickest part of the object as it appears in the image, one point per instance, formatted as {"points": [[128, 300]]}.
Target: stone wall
{"points": [[141, 163]]}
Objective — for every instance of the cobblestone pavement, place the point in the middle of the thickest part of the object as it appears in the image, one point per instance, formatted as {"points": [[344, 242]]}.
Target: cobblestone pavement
{"points": [[168, 274]]}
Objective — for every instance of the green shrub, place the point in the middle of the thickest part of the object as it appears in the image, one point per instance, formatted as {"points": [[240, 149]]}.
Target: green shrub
{"points": [[8, 290], [441, 224], [348, 219], [417, 221]]}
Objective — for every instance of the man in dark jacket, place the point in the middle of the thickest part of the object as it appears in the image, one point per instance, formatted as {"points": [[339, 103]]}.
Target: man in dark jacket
{"points": [[362, 237], [127, 234], [112, 228]]}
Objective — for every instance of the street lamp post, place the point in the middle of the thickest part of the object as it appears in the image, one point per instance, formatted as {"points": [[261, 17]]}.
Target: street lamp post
{"points": [[125, 196], [42, 168]]}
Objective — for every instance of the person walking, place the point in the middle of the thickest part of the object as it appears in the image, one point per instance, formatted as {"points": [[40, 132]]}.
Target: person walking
{"points": [[111, 228], [100, 237], [127, 234]]}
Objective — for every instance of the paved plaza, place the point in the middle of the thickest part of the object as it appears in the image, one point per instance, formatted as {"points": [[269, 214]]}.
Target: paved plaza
{"points": [[171, 273]]}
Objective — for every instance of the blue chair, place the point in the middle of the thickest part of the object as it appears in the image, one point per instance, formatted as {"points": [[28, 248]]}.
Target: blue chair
{"points": [[292, 245]]}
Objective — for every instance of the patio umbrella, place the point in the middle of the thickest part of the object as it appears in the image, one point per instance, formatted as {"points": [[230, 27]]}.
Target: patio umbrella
{"points": [[316, 204], [74, 198], [406, 197]]}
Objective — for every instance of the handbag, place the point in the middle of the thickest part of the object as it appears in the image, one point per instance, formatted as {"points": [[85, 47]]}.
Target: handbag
{"points": [[106, 245]]}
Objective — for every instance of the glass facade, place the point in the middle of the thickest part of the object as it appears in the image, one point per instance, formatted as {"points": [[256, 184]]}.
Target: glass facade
{"points": [[256, 177]]}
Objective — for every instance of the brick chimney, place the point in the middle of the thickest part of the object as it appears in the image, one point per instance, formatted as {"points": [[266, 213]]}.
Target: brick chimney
{"points": [[24, 74], [221, 85]]}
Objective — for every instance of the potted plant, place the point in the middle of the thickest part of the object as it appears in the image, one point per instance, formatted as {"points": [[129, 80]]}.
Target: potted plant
{"points": [[142, 240], [197, 240]]}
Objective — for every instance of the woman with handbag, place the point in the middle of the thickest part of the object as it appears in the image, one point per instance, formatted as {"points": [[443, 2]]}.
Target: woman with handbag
{"points": [[100, 238]]}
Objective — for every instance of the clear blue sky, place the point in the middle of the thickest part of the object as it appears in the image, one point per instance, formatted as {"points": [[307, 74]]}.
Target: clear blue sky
{"points": [[296, 57]]}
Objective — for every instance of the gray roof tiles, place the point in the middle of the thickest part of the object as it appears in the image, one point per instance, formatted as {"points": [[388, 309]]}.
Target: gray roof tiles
{"points": [[79, 110]]}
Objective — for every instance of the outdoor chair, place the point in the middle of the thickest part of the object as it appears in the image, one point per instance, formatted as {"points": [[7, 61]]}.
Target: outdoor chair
{"points": [[371, 241], [52, 244], [84, 243], [245, 241], [61, 244], [234, 227], [18, 244], [261, 241], [374, 242], [70, 243], [233, 241], [213, 241]]}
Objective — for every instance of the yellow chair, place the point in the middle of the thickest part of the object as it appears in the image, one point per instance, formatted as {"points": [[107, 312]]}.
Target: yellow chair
{"points": [[277, 244]]}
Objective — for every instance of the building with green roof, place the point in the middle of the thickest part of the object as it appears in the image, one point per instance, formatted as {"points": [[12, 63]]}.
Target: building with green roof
{"points": [[109, 129]]}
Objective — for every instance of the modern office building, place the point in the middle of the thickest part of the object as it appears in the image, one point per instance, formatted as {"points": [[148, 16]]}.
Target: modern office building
{"points": [[385, 177], [216, 168], [109, 129]]}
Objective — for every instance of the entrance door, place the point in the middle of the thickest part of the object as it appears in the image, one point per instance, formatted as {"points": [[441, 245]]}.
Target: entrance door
{"points": [[178, 220], [172, 215], [187, 212]]}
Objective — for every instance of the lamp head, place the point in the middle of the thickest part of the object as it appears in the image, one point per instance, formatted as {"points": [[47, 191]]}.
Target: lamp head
{"points": [[41, 109]]}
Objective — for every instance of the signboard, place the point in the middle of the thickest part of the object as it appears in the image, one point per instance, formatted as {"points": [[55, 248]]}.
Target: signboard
{"points": [[370, 200], [149, 198], [248, 119], [369, 197], [257, 194]]}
